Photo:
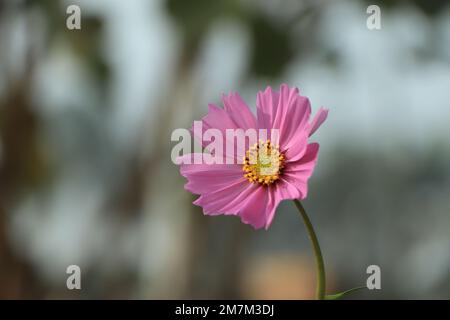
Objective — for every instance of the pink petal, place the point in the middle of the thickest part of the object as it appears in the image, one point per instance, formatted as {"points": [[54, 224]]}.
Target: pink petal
{"points": [[296, 147], [220, 119], [255, 209], [228, 201], [253, 203], [238, 111], [297, 173], [217, 118], [283, 190], [320, 117], [273, 200], [225, 200], [204, 178], [266, 103], [292, 113], [286, 111]]}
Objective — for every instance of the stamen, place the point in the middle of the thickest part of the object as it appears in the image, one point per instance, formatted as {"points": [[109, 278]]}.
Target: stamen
{"points": [[263, 163]]}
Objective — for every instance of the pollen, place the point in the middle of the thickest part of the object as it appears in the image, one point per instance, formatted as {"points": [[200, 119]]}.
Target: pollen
{"points": [[263, 163]]}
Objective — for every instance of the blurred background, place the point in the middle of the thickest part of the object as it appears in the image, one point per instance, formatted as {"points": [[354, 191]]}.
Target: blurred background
{"points": [[86, 118]]}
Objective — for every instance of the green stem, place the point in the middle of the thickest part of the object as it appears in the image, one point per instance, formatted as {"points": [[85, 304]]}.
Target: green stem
{"points": [[342, 294], [320, 289]]}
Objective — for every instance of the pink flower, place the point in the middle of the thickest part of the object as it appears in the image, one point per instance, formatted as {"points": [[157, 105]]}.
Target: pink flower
{"points": [[246, 190]]}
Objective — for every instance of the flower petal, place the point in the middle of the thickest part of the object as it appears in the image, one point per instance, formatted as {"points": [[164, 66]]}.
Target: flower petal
{"points": [[293, 114], [286, 111], [237, 114], [203, 178], [217, 118], [320, 117], [266, 107], [273, 201], [238, 111], [296, 147], [253, 203], [226, 200], [255, 209], [283, 190], [297, 173]]}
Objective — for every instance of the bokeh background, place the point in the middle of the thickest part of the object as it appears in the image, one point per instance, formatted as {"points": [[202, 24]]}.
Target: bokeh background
{"points": [[85, 124]]}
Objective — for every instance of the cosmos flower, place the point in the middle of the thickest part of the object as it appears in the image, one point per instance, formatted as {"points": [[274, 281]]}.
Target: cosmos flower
{"points": [[268, 171]]}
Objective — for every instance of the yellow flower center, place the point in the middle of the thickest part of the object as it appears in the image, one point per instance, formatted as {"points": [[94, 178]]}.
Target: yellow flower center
{"points": [[263, 163]]}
